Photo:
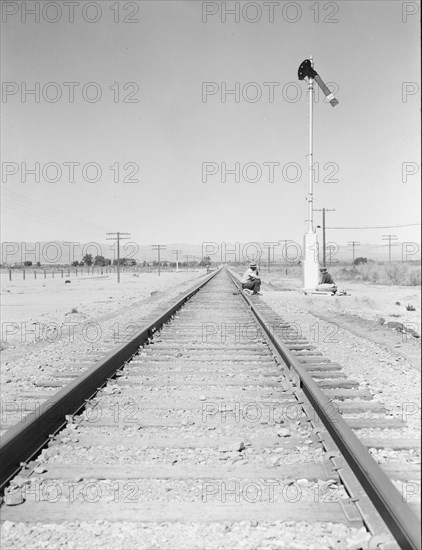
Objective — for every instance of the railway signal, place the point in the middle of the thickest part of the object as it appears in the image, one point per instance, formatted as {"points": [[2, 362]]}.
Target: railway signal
{"points": [[310, 255], [117, 239], [306, 69]]}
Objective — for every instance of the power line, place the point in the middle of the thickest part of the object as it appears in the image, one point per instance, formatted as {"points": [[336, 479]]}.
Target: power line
{"points": [[39, 211], [377, 226]]}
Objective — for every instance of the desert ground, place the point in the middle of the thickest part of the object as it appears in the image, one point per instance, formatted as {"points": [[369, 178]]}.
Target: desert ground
{"points": [[371, 311], [41, 302], [351, 330], [47, 323]]}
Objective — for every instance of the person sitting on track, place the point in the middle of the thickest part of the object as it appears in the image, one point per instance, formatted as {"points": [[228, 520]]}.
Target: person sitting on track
{"points": [[251, 283], [326, 284]]}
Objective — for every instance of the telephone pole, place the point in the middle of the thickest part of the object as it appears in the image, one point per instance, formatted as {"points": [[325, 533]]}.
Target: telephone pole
{"points": [[324, 210], [285, 241], [117, 239], [353, 244], [186, 256], [269, 257], [158, 247], [331, 249], [177, 252], [389, 238], [259, 262]]}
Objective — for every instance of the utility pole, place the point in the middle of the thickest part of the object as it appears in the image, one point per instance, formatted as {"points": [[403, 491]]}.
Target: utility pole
{"points": [[269, 258], [158, 247], [187, 261], [118, 238], [353, 244], [389, 238], [177, 252], [324, 210], [285, 241]]}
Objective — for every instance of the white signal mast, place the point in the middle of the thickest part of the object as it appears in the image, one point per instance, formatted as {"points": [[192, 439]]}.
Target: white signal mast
{"points": [[310, 242]]}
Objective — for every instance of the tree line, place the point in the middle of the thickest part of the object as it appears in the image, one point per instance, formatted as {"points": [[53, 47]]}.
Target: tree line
{"points": [[100, 261]]}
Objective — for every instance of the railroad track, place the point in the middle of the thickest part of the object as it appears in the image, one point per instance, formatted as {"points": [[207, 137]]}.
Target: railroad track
{"points": [[223, 415]]}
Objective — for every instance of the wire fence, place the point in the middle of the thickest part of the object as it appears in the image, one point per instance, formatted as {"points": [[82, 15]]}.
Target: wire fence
{"points": [[26, 273]]}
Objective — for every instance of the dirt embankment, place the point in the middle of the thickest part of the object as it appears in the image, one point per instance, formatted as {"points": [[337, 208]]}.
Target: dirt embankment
{"points": [[377, 313], [348, 331]]}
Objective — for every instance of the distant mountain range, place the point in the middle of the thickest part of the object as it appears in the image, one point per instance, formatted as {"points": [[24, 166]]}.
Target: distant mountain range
{"points": [[63, 252]]}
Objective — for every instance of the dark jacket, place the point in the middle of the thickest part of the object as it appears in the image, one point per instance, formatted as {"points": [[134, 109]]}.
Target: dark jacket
{"points": [[327, 279]]}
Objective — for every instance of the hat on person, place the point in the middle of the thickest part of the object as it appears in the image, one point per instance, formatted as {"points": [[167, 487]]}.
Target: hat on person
{"points": [[253, 264], [323, 269]]}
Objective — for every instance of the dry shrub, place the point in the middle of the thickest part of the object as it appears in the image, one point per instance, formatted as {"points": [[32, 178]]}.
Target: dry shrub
{"points": [[344, 273], [381, 273], [294, 271], [375, 275], [396, 274], [366, 271], [415, 277], [356, 273]]}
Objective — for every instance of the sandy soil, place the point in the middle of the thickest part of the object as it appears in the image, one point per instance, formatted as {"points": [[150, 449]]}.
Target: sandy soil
{"points": [[27, 307], [365, 313], [49, 326]]}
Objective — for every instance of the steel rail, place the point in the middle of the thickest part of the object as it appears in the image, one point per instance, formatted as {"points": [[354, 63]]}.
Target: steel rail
{"points": [[398, 516], [29, 435]]}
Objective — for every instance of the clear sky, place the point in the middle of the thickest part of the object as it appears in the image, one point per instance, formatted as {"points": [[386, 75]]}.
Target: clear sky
{"points": [[370, 50]]}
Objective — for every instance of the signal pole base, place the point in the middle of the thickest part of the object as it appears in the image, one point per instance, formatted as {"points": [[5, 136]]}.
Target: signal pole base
{"points": [[310, 275]]}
